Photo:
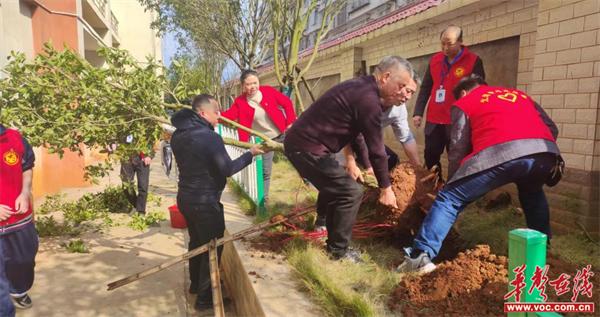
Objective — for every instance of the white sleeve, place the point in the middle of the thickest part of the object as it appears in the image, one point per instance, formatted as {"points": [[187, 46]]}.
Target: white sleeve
{"points": [[399, 122]]}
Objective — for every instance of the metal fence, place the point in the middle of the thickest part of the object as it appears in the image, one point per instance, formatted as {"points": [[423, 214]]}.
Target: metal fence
{"points": [[250, 179]]}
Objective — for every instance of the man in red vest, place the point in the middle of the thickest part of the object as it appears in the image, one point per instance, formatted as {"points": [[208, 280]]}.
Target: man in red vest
{"points": [[499, 136], [18, 237], [446, 68]]}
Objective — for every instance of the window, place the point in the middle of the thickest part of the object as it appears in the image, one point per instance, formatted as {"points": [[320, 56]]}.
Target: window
{"points": [[357, 4], [314, 17], [341, 18]]}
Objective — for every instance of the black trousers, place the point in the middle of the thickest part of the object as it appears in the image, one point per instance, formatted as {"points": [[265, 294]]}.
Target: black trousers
{"points": [[338, 192], [130, 169], [393, 160], [205, 222], [18, 252], [437, 138]]}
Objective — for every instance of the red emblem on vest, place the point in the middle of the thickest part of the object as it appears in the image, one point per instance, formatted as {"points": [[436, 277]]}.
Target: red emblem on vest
{"points": [[11, 157], [459, 72]]}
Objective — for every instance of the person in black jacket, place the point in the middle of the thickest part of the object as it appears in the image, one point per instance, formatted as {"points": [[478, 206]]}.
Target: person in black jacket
{"points": [[204, 166]]}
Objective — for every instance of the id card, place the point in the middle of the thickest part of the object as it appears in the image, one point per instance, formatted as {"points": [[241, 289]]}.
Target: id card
{"points": [[440, 95]]}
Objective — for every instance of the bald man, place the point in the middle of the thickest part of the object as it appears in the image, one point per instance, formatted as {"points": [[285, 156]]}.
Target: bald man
{"points": [[445, 70]]}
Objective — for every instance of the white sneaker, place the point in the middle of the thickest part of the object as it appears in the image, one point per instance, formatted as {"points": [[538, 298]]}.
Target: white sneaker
{"points": [[22, 302], [421, 264], [320, 229]]}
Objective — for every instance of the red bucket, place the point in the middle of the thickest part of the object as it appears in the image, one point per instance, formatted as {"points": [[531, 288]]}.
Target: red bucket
{"points": [[177, 219]]}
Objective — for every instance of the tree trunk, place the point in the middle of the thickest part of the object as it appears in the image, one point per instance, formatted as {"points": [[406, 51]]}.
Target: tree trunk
{"points": [[298, 97]]}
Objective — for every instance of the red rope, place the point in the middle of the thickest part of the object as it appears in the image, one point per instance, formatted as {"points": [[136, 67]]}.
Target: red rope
{"points": [[361, 230]]}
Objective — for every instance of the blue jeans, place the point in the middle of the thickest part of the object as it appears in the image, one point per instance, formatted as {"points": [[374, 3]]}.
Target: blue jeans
{"points": [[6, 306], [528, 172]]}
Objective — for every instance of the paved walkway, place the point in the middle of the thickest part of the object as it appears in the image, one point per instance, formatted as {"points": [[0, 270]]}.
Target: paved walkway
{"points": [[70, 284], [277, 289]]}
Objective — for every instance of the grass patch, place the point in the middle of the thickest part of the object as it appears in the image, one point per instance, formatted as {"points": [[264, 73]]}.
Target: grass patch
{"points": [[476, 226], [576, 248], [76, 246], [245, 203], [342, 288], [287, 190], [141, 222]]}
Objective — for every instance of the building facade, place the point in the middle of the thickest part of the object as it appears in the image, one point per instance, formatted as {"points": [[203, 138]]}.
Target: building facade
{"points": [[548, 48], [353, 15], [82, 26]]}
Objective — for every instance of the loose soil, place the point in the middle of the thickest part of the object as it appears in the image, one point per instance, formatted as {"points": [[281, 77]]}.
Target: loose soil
{"points": [[466, 283], [473, 284], [414, 189]]}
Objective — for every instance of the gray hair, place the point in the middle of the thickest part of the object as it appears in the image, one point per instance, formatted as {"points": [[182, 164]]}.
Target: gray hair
{"points": [[415, 76], [455, 30], [394, 62]]}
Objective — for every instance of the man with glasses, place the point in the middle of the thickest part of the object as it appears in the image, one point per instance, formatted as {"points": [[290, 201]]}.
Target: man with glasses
{"points": [[445, 70]]}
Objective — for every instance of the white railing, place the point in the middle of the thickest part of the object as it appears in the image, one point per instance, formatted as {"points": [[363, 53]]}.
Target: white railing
{"points": [[250, 179]]}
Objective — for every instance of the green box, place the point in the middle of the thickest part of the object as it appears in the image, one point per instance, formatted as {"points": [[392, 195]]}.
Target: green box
{"points": [[526, 246]]}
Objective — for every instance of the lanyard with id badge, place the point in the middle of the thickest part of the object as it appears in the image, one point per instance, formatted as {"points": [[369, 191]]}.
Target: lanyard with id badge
{"points": [[440, 93]]}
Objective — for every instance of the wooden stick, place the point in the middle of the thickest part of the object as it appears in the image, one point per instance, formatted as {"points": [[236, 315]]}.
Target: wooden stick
{"points": [[312, 97], [239, 126], [221, 118], [270, 143], [203, 248], [230, 141], [276, 146], [215, 279], [428, 177]]}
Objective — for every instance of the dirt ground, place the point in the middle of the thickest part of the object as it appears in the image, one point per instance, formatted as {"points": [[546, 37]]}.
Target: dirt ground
{"points": [[466, 283]]}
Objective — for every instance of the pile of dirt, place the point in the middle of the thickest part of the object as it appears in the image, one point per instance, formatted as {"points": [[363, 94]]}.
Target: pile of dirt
{"points": [[472, 284], [414, 189]]}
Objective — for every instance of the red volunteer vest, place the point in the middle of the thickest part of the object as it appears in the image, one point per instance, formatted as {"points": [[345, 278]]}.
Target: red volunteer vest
{"points": [[448, 79], [11, 173], [498, 115]]}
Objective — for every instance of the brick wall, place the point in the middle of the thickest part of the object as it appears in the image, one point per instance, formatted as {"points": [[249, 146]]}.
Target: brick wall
{"points": [[558, 65], [566, 79]]}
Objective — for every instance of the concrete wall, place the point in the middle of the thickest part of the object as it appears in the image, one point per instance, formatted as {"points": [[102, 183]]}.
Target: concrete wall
{"points": [[134, 30], [52, 25], [15, 30], [548, 48]]}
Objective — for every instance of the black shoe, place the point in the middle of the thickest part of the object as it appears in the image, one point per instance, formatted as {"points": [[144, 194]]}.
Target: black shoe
{"points": [[22, 302], [208, 304], [203, 305], [350, 255]]}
